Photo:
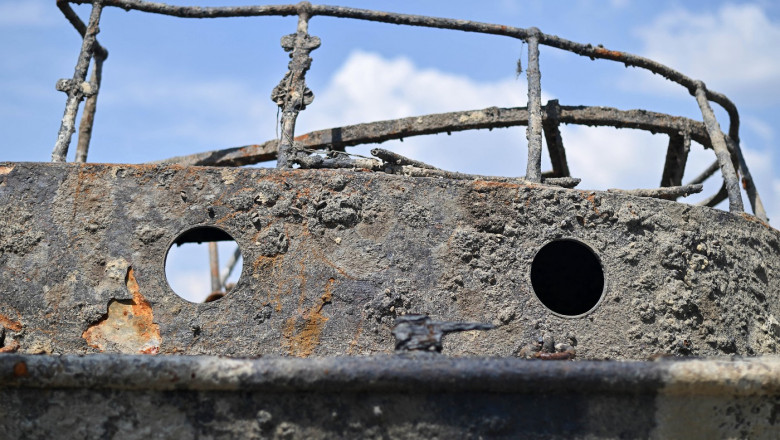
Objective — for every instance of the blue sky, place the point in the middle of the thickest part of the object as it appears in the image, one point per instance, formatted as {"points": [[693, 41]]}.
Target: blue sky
{"points": [[177, 86]]}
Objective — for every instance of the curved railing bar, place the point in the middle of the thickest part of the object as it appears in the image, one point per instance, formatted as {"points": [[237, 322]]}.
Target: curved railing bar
{"points": [[436, 22], [532, 35], [493, 117]]}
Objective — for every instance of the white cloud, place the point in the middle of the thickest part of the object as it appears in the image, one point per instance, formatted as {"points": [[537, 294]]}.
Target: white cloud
{"points": [[733, 49], [369, 88], [27, 13]]}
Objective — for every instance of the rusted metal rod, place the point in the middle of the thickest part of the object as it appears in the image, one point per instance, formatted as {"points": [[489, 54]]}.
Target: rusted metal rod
{"points": [[676, 158], [230, 266], [80, 27], [721, 149], [492, 117], [216, 284], [292, 95], [709, 171], [534, 130], [720, 196], [88, 115], [587, 50], [747, 182], [397, 159], [552, 135], [77, 87], [668, 193]]}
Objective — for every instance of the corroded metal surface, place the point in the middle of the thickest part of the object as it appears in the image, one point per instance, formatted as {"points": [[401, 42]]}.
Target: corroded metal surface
{"points": [[421, 396], [332, 257]]}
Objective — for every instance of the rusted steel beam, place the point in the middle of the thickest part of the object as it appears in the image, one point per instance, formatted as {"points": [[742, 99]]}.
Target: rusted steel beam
{"points": [[554, 140], [77, 88], [492, 117], [534, 130], [667, 193], [676, 158], [721, 150]]}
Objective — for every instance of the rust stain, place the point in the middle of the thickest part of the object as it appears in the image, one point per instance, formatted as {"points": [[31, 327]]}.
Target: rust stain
{"points": [[754, 219], [302, 333], [354, 342], [608, 53], [591, 197], [20, 370], [487, 184], [128, 326], [5, 170], [10, 348], [10, 324]]}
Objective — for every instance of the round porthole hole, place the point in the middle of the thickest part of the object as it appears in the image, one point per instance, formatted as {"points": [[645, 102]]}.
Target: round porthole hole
{"points": [[567, 277], [203, 264]]}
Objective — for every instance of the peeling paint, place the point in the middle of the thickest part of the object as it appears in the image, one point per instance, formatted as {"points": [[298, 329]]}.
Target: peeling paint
{"points": [[128, 327], [10, 324]]}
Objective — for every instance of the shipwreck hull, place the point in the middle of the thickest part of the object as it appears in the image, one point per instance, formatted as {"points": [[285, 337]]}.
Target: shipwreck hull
{"points": [[331, 258]]}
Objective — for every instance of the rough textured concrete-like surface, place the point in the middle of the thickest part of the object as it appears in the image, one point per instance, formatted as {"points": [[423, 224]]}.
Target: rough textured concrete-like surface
{"points": [[332, 257], [424, 396]]}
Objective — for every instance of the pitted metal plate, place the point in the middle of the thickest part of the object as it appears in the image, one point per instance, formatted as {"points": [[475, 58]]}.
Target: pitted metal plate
{"points": [[331, 257]]}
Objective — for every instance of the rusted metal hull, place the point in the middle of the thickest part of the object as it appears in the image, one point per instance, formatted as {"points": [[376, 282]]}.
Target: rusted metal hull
{"points": [[422, 396], [331, 257]]}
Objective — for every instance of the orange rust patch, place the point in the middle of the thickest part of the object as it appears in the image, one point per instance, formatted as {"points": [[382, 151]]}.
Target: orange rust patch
{"points": [[754, 219], [20, 370], [10, 324], [10, 348], [591, 197], [302, 334], [485, 184], [128, 326], [608, 53]]}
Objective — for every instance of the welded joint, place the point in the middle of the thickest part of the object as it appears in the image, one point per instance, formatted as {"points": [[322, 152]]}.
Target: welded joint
{"points": [[80, 90]]}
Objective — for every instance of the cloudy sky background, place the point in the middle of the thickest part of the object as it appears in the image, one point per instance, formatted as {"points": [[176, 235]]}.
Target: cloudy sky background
{"points": [[177, 86]]}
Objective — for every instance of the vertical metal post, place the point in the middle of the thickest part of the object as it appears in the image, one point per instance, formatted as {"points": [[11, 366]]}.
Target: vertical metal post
{"points": [[552, 134], [534, 131], [291, 94], [748, 184], [216, 285], [77, 87], [676, 158], [88, 116], [721, 149]]}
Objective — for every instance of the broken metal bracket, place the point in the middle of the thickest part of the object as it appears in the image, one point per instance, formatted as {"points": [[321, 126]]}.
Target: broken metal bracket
{"points": [[420, 332]]}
